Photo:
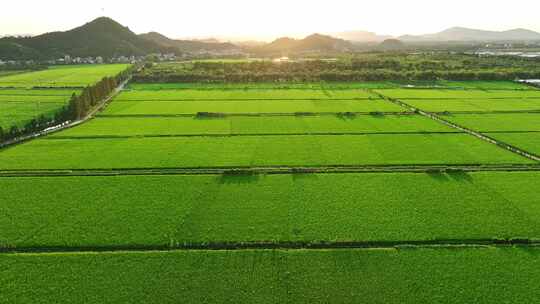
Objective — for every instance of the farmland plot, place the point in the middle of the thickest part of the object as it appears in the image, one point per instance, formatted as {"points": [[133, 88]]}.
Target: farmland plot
{"points": [[527, 141], [170, 211], [475, 105], [509, 122], [482, 275], [303, 150], [238, 125], [17, 107], [142, 108], [63, 76], [459, 94], [252, 94]]}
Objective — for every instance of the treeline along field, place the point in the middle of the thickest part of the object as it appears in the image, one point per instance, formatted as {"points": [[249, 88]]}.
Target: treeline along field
{"points": [[353, 68]]}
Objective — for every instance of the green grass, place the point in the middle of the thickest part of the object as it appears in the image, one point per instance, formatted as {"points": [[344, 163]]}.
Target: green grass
{"points": [[529, 142], [510, 122], [248, 106], [250, 94], [475, 105], [140, 126], [458, 94], [275, 150], [65, 76], [473, 275], [126, 211]]}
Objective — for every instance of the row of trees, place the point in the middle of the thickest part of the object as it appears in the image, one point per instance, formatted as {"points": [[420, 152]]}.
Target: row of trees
{"points": [[345, 76], [78, 107], [374, 67]]}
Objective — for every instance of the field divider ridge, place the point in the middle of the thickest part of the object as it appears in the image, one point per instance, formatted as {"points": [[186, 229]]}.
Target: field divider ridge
{"points": [[288, 170], [250, 114], [281, 245], [60, 137]]}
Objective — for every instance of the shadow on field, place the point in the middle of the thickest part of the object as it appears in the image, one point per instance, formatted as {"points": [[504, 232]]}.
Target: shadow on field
{"points": [[460, 176], [238, 178], [439, 176]]}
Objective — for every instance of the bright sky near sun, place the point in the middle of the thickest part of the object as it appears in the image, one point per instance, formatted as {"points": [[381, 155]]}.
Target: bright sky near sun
{"points": [[270, 19]]}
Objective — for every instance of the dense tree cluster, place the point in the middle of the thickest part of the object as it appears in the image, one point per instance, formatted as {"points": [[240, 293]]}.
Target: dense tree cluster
{"points": [[367, 67]]}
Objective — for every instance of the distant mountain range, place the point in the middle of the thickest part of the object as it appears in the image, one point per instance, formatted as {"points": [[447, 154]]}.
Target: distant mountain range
{"points": [[465, 34], [107, 38], [208, 45], [361, 36], [101, 37], [312, 43]]}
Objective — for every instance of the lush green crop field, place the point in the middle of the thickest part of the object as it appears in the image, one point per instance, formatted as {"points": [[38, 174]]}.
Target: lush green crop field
{"points": [[529, 142], [64, 76], [170, 210], [474, 105], [37, 92], [251, 94], [19, 113], [458, 94], [35, 98], [485, 85], [275, 150], [247, 106], [141, 126], [17, 107], [474, 275], [510, 122], [8, 73]]}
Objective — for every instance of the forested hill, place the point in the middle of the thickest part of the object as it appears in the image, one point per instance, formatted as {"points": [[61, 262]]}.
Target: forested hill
{"points": [[101, 37]]}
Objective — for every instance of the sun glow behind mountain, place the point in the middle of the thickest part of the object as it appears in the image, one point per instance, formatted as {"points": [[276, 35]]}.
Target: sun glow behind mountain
{"points": [[267, 20]]}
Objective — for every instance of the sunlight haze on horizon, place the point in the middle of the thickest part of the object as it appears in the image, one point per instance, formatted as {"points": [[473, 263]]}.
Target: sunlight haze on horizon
{"points": [[271, 19]]}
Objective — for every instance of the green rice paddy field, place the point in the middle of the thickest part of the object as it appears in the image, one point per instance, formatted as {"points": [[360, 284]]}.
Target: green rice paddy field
{"points": [[142, 108], [20, 102], [63, 76], [436, 236], [242, 151], [509, 122], [170, 211], [467, 275], [18, 106], [248, 125]]}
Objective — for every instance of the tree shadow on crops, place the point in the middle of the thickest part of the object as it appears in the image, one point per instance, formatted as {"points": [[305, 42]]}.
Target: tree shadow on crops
{"points": [[439, 176], [460, 176]]}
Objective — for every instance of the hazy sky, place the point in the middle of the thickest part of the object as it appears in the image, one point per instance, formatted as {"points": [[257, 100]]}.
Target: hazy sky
{"points": [[270, 18]]}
